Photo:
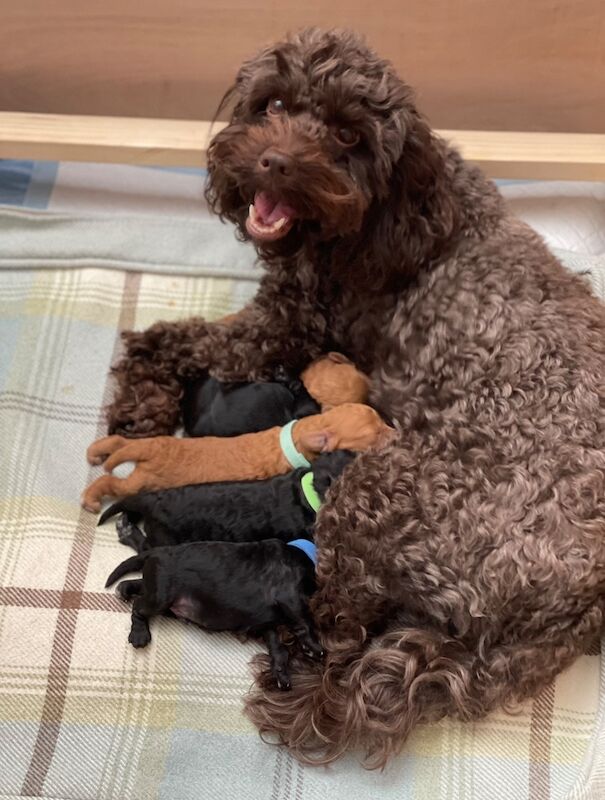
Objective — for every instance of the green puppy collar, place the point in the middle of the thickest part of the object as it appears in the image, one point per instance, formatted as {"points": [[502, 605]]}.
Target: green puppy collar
{"points": [[309, 492]]}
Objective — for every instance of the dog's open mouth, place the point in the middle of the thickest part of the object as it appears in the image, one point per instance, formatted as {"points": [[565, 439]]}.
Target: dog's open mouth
{"points": [[268, 218]]}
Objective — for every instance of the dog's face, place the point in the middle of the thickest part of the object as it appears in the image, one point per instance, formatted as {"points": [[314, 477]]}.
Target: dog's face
{"points": [[319, 124], [328, 467]]}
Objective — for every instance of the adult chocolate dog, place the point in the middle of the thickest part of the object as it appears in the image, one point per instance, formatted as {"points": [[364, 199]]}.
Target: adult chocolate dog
{"points": [[463, 567]]}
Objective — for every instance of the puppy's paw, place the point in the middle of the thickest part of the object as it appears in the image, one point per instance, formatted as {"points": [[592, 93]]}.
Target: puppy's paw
{"points": [[139, 638], [122, 593], [94, 456], [280, 375], [126, 590], [124, 529], [90, 505]]}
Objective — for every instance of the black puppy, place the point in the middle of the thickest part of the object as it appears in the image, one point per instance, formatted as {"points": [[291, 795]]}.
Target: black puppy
{"points": [[211, 408], [251, 587], [242, 511]]}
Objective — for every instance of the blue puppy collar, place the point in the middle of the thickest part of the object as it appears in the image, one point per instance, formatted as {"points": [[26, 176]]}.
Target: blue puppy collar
{"points": [[307, 547], [288, 448]]}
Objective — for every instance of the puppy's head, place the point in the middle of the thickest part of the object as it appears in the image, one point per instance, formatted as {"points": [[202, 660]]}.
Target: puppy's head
{"points": [[350, 426], [332, 380], [318, 126], [328, 467]]}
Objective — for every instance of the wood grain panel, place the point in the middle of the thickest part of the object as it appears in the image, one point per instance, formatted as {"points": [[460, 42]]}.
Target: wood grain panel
{"points": [[484, 64]]}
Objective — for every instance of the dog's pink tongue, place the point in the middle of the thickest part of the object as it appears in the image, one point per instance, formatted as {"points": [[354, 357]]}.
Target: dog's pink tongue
{"points": [[270, 210]]}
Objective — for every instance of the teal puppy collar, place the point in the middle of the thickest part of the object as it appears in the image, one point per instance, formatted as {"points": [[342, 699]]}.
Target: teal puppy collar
{"points": [[288, 448]]}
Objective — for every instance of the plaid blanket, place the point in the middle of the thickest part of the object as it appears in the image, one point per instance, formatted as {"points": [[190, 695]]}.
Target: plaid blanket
{"points": [[82, 714]]}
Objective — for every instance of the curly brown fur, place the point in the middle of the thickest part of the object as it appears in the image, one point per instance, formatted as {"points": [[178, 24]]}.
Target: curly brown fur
{"points": [[465, 567]]}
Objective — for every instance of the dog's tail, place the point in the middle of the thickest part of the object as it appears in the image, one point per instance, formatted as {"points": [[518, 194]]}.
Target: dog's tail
{"points": [[370, 698], [132, 564], [116, 508], [130, 505]]}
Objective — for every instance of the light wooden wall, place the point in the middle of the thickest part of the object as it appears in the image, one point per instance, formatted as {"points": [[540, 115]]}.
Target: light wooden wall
{"points": [[484, 64]]}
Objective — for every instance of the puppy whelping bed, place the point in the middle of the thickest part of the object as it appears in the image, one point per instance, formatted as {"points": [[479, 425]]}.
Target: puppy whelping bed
{"points": [[82, 715]]}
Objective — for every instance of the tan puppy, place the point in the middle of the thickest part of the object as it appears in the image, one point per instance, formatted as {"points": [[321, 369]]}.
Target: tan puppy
{"points": [[332, 380], [165, 461]]}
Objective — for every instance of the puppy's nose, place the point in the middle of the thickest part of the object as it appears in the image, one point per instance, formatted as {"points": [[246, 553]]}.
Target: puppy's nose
{"points": [[275, 163]]}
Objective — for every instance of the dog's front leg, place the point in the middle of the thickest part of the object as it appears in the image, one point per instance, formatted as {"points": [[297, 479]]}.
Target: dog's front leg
{"points": [[277, 331]]}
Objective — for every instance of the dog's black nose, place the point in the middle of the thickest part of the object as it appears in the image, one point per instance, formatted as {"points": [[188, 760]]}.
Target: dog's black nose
{"points": [[275, 163]]}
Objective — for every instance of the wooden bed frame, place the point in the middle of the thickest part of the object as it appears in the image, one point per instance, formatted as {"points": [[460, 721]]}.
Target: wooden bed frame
{"points": [[501, 154], [517, 85]]}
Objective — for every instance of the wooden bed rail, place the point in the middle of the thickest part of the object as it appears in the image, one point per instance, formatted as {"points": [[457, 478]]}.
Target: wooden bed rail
{"points": [[162, 142]]}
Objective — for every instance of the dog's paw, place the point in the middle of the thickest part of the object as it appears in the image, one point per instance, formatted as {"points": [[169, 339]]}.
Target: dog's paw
{"points": [[130, 420], [89, 505], [119, 427], [312, 650], [124, 591], [133, 429], [124, 529], [96, 454], [122, 594], [139, 638], [282, 680]]}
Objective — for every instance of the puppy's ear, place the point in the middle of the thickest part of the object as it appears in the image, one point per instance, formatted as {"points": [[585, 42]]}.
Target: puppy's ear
{"points": [[319, 442], [338, 358], [331, 442]]}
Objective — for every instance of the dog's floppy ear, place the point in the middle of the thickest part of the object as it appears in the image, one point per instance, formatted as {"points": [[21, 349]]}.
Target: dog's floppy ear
{"points": [[319, 441], [338, 358], [283, 67]]}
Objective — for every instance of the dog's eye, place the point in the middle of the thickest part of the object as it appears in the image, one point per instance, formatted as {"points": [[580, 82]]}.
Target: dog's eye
{"points": [[276, 106], [347, 137]]}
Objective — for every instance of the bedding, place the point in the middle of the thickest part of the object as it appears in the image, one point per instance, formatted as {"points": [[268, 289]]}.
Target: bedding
{"points": [[85, 251]]}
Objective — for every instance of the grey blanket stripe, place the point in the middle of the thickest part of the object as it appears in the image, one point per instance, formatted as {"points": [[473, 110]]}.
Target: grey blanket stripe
{"points": [[174, 245]]}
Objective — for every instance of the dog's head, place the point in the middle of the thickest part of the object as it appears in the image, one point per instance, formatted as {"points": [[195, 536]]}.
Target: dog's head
{"points": [[332, 380], [350, 426], [319, 127], [328, 467]]}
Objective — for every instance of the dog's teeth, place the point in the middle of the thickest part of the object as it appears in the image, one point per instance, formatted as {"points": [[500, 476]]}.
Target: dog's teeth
{"points": [[280, 224], [252, 211]]}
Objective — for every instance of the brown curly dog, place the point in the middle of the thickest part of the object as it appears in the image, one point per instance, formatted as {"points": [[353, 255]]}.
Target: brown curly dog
{"points": [[463, 567]]}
